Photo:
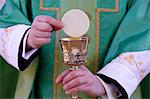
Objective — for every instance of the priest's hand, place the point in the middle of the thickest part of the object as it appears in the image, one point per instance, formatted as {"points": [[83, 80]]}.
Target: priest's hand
{"points": [[81, 80], [41, 31]]}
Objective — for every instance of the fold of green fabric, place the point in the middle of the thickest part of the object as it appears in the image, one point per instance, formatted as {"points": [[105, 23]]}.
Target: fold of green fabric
{"points": [[133, 35]]}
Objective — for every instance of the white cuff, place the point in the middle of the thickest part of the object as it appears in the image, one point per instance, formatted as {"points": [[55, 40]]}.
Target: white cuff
{"points": [[111, 91], [128, 69], [121, 73], [10, 43], [26, 55]]}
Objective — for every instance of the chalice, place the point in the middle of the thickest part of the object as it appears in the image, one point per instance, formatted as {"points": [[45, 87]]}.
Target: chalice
{"points": [[74, 48], [74, 54]]}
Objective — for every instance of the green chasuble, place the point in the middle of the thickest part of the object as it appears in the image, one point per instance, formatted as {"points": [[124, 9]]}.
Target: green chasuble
{"points": [[116, 26]]}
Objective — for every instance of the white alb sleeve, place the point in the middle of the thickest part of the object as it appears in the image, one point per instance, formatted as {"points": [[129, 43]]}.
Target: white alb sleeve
{"points": [[10, 39], [128, 70]]}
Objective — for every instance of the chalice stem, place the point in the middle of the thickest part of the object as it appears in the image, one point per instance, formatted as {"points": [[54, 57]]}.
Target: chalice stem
{"points": [[74, 68], [74, 96]]}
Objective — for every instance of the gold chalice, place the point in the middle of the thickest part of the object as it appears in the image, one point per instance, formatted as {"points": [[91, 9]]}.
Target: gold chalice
{"points": [[74, 53]]}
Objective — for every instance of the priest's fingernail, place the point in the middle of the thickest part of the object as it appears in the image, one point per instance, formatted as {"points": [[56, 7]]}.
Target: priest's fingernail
{"points": [[64, 87], [57, 80], [66, 92]]}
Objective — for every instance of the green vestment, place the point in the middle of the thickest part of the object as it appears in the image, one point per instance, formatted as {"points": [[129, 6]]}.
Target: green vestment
{"points": [[116, 26]]}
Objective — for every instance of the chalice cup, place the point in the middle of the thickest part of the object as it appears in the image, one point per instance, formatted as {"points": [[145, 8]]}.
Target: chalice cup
{"points": [[74, 54]]}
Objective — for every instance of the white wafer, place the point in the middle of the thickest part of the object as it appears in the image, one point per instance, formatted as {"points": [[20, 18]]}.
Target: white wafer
{"points": [[76, 23]]}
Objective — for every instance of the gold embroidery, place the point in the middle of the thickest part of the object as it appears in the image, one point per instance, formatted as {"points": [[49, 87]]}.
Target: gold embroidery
{"points": [[7, 30], [98, 11], [4, 51], [56, 58], [139, 67], [129, 59], [5, 39], [47, 8], [132, 61]]}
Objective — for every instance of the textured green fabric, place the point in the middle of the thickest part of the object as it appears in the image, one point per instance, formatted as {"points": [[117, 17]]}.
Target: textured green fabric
{"points": [[135, 29], [128, 29], [8, 80], [25, 81], [10, 14]]}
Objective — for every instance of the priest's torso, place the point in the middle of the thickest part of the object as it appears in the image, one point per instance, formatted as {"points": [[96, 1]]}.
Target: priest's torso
{"points": [[105, 18]]}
